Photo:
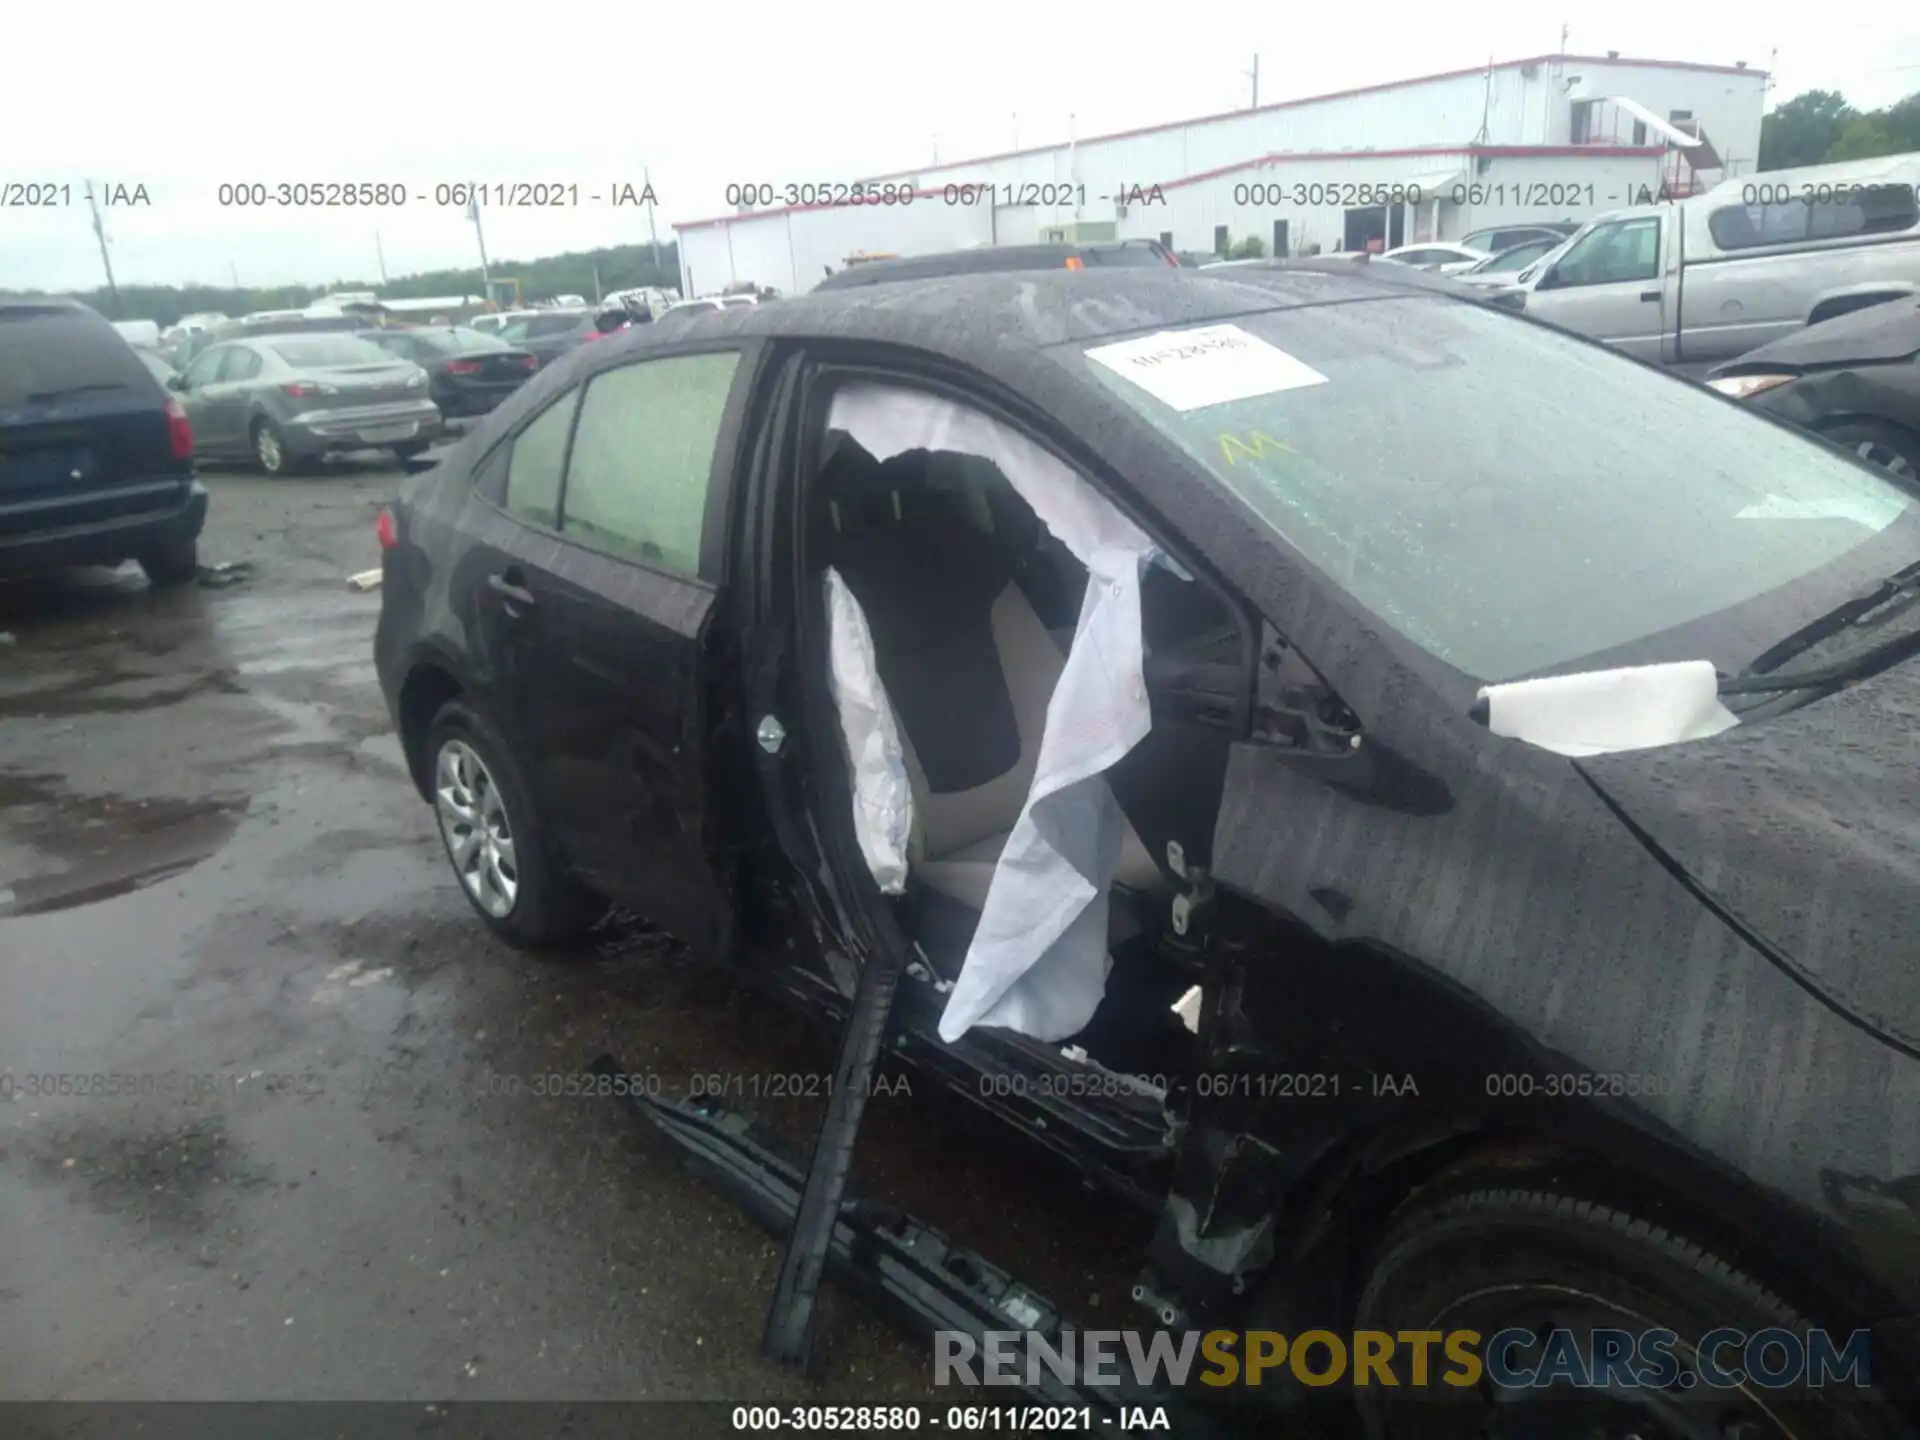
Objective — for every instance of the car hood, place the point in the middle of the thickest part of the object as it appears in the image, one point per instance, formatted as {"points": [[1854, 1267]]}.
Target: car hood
{"points": [[1804, 833], [1879, 334]]}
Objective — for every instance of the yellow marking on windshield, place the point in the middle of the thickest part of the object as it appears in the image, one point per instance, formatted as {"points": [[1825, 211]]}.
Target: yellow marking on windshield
{"points": [[1254, 447]]}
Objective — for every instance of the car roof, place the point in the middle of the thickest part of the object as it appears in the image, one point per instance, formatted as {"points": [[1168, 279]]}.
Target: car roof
{"points": [[44, 302], [973, 318]]}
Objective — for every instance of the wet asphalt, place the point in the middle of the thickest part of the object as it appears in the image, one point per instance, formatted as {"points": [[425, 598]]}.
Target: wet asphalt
{"points": [[287, 1164]]}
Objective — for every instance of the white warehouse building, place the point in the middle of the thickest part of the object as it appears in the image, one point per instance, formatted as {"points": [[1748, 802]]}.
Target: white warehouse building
{"points": [[1552, 138]]}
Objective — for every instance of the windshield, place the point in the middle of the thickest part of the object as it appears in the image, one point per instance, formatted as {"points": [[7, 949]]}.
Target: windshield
{"points": [[1518, 258], [327, 352], [1508, 498]]}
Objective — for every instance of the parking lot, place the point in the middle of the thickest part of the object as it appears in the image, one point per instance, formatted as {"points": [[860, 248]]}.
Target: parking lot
{"points": [[303, 1174]]}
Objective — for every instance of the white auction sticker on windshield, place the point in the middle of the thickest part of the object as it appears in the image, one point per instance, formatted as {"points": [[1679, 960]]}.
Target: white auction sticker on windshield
{"points": [[1211, 365]]}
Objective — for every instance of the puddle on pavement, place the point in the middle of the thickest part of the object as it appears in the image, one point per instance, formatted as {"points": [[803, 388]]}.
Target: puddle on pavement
{"points": [[171, 1180], [70, 695], [100, 846]]}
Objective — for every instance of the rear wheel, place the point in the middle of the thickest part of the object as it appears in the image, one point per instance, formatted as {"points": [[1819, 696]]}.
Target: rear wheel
{"points": [[172, 564], [504, 860], [1880, 444], [270, 449], [1539, 1263]]}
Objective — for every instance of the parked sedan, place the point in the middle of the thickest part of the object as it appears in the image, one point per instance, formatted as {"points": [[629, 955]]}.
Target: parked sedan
{"points": [[1440, 258], [1855, 380], [468, 373], [548, 334], [1496, 238], [1211, 721], [287, 400], [1503, 268]]}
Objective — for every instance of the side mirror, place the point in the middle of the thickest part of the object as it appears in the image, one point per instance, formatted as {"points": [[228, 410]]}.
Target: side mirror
{"points": [[177, 381]]}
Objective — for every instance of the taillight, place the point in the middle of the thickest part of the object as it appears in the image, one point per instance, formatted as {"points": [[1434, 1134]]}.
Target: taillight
{"points": [[305, 389], [179, 430], [463, 367], [532, 362], [1073, 262], [384, 531]]}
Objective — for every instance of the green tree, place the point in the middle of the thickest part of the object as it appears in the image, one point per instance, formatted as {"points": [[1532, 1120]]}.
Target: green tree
{"points": [[1801, 131], [1251, 248], [1863, 137]]}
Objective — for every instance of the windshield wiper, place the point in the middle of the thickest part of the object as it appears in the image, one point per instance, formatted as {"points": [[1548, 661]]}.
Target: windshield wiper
{"points": [[1868, 609], [40, 397]]}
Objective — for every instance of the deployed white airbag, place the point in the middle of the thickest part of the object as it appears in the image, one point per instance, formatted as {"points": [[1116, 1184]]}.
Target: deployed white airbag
{"points": [[1606, 710], [882, 798], [1038, 961]]}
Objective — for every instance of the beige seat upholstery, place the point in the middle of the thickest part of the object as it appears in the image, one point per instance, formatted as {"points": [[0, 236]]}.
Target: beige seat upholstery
{"points": [[958, 836]]}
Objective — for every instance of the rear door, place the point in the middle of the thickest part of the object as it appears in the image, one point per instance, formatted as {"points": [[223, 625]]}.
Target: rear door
{"points": [[78, 409], [625, 609], [202, 399], [1608, 287]]}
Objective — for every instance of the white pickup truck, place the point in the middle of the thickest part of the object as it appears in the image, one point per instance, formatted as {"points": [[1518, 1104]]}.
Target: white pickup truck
{"points": [[1701, 280]]}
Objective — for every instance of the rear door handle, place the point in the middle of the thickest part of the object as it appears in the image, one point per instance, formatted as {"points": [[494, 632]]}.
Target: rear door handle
{"points": [[1649, 294], [510, 585]]}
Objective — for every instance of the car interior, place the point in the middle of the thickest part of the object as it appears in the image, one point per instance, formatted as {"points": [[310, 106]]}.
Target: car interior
{"points": [[972, 605]]}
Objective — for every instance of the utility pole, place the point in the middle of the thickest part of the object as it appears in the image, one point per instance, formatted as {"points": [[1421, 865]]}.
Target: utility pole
{"points": [[100, 233], [382, 255], [1254, 75], [486, 282], [653, 235]]}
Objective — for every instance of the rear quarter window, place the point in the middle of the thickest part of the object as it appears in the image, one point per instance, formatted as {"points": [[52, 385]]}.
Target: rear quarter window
{"points": [[45, 350], [1847, 211]]}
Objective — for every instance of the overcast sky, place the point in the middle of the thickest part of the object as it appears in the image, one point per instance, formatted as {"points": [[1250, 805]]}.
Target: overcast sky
{"points": [[217, 92]]}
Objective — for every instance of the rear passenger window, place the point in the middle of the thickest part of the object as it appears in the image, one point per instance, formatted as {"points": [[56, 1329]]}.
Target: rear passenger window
{"points": [[643, 456], [535, 462], [1844, 210]]}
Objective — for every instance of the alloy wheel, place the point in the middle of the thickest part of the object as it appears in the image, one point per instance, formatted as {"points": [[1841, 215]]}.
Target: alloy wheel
{"points": [[476, 827], [1885, 456], [266, 444]]}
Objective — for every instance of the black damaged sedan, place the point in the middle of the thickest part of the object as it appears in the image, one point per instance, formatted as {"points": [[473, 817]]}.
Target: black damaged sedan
{"points": [[1182, 714], [1853, 380]]}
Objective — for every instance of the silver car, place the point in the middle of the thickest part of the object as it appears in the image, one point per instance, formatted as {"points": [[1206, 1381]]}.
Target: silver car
{"points": [[284, 401]]}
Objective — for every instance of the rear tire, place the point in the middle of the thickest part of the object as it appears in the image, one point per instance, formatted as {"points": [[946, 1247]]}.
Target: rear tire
{"points": [[270, 452], [1884, 445], [503, 858], [177, 563], [1500, 1252]]}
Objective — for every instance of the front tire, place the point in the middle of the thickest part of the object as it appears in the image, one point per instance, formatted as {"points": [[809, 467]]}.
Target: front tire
{"points": [[177, 563], [1531, 1257], [1887, 446], [501, 855]]}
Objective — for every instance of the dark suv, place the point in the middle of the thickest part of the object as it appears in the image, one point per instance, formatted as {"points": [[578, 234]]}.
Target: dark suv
{"points": [[96, 459]]}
